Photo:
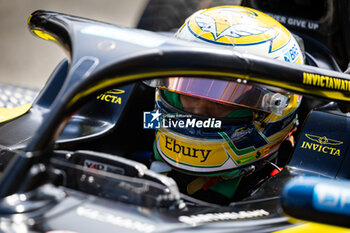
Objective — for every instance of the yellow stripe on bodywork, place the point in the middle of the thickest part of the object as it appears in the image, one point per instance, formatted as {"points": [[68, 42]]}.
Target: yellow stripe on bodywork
{"points": [[44, 35], [135, 77], [332, 94], [314, 227], [7, 114]]}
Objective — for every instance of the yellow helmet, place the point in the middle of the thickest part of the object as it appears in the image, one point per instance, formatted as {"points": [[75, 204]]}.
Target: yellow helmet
{"points": [[241, 140], [243, 29]]}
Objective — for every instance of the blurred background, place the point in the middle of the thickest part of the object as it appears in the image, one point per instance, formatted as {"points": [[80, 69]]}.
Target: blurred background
{"points": [[27, 60]]}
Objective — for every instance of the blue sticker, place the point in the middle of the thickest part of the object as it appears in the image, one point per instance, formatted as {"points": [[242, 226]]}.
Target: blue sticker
{"points": [[291, 55], [331, 198], [145, 39]]}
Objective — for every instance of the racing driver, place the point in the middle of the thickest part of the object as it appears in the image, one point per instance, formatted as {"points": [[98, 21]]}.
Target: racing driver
{"points": [[226, 163]]}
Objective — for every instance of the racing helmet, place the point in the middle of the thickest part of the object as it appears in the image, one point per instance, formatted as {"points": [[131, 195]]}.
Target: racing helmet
{"points": [[224, 146]]}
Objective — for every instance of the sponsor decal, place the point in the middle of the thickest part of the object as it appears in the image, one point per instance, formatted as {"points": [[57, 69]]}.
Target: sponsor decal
{"points": [[113, 219], [152, 120], [241, 132], [181, 152], [323, 140], [331, 198], [225, 216], [326, 82], [292, 54], [322, 144], [102, 166], [95, 165], [112, 96], [173, 146]]}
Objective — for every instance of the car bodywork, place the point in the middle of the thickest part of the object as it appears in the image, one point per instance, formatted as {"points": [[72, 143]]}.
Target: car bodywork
{"points": [[48, 186]]}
